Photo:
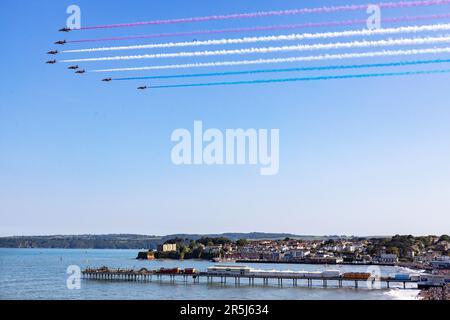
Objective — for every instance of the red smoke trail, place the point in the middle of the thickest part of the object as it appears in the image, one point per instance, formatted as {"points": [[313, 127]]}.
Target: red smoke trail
{"points": [[268, 28], [332, 9]]}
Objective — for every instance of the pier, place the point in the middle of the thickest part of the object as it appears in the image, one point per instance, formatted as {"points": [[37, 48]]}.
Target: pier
{"points": [[144, 275]]}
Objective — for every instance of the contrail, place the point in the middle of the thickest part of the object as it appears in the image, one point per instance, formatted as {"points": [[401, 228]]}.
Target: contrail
{"points": [[289, 37], [300, 47], [331, 9], [264, 71], [384, 53], [266, 28], [350, 76]]}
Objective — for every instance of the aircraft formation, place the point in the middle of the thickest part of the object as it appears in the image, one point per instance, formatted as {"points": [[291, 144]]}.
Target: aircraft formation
{"points": [[76, 68], [391, 41]]}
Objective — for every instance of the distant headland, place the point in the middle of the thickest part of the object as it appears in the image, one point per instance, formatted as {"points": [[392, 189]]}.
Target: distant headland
{"points": [[136, 241]]}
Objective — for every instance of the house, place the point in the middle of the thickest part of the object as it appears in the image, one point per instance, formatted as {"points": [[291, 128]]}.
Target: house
{"points": [[387, 258], [442, 262], [442, 246], [426, 257], [299, 254], [349, 248], [326, 259], [213, 248], [251, 255], [410, 253], [167, 247]]}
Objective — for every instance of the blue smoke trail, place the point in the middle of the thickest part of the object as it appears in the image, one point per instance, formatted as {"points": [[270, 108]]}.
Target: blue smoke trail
{"points": [[364, 75], [335, 67]]}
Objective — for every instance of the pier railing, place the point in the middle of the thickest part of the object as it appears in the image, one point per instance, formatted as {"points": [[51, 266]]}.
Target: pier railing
{"points": [[105, 274]]}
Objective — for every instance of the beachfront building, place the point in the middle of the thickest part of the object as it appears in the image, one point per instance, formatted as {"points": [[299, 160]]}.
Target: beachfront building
{"points": [[299, 254], [442, 262], [387, 258], [167, 247]]}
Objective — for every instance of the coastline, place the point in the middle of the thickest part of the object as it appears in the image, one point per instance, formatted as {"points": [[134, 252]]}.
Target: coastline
{"points": [[406, 266], [52, 267]]}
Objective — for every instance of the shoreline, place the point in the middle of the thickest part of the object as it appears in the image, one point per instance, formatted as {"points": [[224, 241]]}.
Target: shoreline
{"points": [[312, 262], [412, 267], [126, 261]]}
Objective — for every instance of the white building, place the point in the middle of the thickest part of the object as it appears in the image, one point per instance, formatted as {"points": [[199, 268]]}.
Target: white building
{"points": [[387, 258], [442, 262], [299, 254]]}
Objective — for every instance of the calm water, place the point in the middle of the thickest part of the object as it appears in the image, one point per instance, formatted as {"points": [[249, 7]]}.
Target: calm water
{"points": [[41, 274]]}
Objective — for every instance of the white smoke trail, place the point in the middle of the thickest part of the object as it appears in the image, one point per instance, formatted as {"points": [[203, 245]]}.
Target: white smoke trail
{"points": [[320, 46], [343, 56], [290, 37]]}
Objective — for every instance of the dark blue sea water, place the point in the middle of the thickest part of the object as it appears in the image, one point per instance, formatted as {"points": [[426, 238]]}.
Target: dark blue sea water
{"points": [[42, 274]]}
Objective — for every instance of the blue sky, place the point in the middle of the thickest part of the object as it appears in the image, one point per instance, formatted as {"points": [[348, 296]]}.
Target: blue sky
{"points": [[365, 157]]}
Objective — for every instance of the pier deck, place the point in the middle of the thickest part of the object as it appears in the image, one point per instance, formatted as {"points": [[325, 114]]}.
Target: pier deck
{"points": [[224, 278]]}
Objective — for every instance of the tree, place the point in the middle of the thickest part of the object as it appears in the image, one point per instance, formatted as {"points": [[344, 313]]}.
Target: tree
{"points": [[394, 250], [241, 242], [174, 241]]}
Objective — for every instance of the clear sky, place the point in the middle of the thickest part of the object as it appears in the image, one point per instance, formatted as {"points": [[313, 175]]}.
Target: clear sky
{"points": [[357, 156]]}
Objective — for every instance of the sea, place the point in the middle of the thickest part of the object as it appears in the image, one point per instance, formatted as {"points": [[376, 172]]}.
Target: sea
{"points": [[42, 274]]}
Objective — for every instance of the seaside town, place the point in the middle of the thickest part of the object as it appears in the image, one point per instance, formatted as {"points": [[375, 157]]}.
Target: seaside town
{"points": [[429, 255], [428, 252]]}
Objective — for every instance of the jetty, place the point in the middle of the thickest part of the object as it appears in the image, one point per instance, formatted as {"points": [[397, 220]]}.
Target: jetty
{"points": [[243, 275]]}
